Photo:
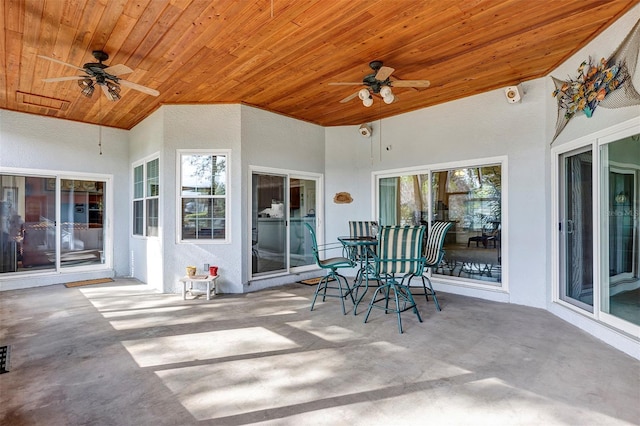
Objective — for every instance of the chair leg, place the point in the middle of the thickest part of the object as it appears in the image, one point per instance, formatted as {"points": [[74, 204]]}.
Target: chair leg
{"points": [[433, 292], [344, 291], [402, 298], [321, 284], [424, 287], [350, 289], [395, 295], [405, 292], [373, 299]]}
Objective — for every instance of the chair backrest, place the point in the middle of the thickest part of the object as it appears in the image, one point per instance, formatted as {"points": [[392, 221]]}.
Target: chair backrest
{"points": [[400, 250], [361, 228], [433, 251], [314, 243]]}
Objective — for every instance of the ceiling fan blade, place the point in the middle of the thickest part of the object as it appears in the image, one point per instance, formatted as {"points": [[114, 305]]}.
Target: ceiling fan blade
{"points": [[71, 77], [410, 83], [118, 69], [348, 98], [60, 62], [139, 88], [384, 73], [345, 83]]}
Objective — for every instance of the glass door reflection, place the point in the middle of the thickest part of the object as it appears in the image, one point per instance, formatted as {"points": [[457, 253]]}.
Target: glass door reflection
{"points": [[620, 242], [302, 209], [269, 230], [576, 229], [81, 222]]}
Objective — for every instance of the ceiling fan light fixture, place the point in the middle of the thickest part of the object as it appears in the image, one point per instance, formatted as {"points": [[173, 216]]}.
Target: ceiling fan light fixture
{"points": [[114, 95], [385, 92], [113, 87], [367, 102], [85, 82], [364, 94], [87, 87], [88, 91]]}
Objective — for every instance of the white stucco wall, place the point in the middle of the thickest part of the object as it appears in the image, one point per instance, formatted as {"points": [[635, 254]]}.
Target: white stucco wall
{"points": [[146, 257], [201, 127], [275, 141], [601, 47], [255, 137], [584, 129], [34, 143], [482, 126]]}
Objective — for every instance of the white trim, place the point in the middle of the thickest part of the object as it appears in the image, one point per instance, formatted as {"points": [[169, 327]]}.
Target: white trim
{"points": [[597, 318], [227, 196], [143, 162], [288, 174], [503, 161], [107, 248]]}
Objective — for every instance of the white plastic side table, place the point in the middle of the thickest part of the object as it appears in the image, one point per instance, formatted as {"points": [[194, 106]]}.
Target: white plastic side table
{"points": [[210, 280]]}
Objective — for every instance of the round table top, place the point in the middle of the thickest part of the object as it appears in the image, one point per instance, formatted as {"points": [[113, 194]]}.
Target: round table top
{"points": [[359, 241]]}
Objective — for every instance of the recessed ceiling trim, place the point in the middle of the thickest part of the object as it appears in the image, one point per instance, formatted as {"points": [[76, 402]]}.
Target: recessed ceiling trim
{"points": [[42, 101]]}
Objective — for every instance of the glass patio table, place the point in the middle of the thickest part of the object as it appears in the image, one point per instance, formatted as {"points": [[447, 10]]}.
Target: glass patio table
{"points": [[362, 251]]}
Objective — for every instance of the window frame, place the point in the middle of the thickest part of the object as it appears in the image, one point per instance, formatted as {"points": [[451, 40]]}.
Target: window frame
{"points": [[502, 161], [146, 197], [594, 142], [226, 197], [56, 177]]}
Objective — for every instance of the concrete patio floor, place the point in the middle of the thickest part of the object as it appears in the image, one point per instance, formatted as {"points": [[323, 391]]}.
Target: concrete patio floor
{"points": [[120, 354]]}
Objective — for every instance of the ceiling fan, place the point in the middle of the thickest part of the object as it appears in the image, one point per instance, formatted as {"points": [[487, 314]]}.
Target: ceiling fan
{"points": [[379, 83], [107, 77]]}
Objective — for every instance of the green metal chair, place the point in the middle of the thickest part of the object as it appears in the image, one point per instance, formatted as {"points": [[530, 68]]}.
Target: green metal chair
{"points": [[399, 259], [334, 286], [361, 228], [433, 254]]}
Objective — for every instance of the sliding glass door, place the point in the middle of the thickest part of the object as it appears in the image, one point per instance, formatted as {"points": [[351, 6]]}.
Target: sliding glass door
{"points": [[576, 229], [620, 241], [269, 223], [598, 239], [81, 222], [302, 209], [49, 223], [281, 203]]}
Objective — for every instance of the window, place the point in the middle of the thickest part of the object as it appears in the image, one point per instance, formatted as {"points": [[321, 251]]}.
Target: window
{"points": [[203, 196], [468, 196], [146, 194], [471, 198]]}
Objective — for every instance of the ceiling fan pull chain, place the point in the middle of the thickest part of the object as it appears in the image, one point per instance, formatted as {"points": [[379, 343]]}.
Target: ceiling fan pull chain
{"points": [[100, 125]]}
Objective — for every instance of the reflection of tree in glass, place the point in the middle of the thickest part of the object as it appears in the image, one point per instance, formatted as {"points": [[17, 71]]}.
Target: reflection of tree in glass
{"points": [[413, 199], [491, 190], [209, 169]]}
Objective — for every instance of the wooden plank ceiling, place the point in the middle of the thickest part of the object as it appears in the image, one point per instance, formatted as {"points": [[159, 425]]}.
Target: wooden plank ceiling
{"points": [[280, 55]]}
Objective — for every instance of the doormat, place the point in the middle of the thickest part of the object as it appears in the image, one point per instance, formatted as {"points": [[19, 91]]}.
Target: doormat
{"points": [[314, 281], [88, 282], [5, 351]]}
